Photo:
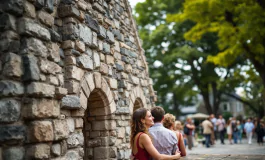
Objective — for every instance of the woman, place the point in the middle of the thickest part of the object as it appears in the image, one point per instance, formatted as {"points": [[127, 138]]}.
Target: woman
{"points": [[260, 130], [240, 131], [169, 123], [179, 127], [229, 131], [141, 144]]}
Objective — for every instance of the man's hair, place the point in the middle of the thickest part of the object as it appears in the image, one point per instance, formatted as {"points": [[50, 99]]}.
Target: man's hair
{"points": [[158, 113]]}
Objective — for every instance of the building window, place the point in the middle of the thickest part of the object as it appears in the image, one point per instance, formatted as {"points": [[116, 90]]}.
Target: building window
{"points": [[226, 106], [238, 107]]}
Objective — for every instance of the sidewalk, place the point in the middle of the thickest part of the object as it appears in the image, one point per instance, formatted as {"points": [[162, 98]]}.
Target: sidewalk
{"points": [[228, 151]]}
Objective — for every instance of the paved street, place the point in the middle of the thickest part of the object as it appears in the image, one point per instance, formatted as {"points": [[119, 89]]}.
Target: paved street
{"points": [[227, 152]]}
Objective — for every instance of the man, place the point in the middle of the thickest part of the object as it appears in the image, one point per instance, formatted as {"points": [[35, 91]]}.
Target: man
{"points": [[190, 128], [164, 140], [221, 128], [207, 130], [249, 127], [214, 130]]}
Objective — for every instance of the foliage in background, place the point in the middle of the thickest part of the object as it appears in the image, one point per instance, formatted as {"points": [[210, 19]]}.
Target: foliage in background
{"points": [[183, 71], [239, 25]]}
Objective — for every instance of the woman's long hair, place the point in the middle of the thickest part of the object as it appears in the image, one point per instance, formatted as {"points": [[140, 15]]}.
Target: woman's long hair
{"points": [[136, 123]]}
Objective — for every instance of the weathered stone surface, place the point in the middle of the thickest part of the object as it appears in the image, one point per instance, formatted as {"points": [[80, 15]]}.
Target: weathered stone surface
{"points": [[73, 72], [40, 131], [7, 22], [102, 32], [41, 108], [8, 133], [9, 45], [61, 130], [31, 69], [104, 125], [9, 110], [55, 36], [85, 34], [70, 32], [72, 86], [60, 92], [11, 88], [101, 152], [110, 37], [54, 52], [34, 46], [45, 18], [72, 154], [104, 69], [49, 67], [71, 102], [122, 110], [85, 62], [39, 151], [93, 24], [12, 6], [40, 89], [30, 28], [75, 139], [56, 149], [49, 5], [106, 48], [80, 46], [14, 153]]}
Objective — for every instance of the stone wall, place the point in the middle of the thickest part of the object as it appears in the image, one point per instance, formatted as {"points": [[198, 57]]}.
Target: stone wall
{"points": [[72, 72]]}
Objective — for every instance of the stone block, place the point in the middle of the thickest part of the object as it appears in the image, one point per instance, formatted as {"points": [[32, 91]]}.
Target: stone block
{"points": [[104, 69], [55, 36], [122, 110], [9, 35], [96, 59], [84, 61], [34, 46], [54, 52], [85, 34], [71, 102], [14, 153], [49, 6], [40, 131], [79, 123], [9, 110], [68, 44], [109, 60], [12, 6], [49, 67], [85, 88], [80, 46], [39, 151], [117, 56], [31, 68], [61, 130], [45, 18], [104, 125], [9, 45], [119, 66], [110, 37], [97, 80], [93, 24], [112, 83], [70, 32], [83, 100], [40, 89], [94, 40], [40, 108], [39, 4], [15, 133], [75, 140], [68, 11], [102, 33], [73, 72], [12, 65], [70, 60], [52, 80], [60, 92], [106, 48], [101, 152], [70, 124], [7, 22], [56, 150], [11, 88], [90, 81], [72, 154], [31, 28]]}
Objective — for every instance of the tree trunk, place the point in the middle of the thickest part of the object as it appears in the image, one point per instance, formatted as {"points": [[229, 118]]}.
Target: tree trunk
{"points": [[216, 98], [206, 101]]}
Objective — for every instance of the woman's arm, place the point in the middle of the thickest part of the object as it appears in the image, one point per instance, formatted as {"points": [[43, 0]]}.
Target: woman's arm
{"points": [[148, 145], [181, 145]]}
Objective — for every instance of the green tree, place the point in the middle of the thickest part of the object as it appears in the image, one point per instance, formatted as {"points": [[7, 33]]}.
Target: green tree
{"points": [[239, 25], [183, 71]]}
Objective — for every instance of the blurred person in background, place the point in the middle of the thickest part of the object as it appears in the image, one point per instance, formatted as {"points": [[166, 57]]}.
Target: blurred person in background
{"points": [[220, 123], [207, 130], [240, 128], [188, 130], [249, 128], [260, 130], [229, 131], [169, 123], [179, 128]]}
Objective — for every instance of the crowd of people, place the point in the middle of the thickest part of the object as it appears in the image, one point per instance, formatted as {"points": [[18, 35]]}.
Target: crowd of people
{"points": [[157, 135]]}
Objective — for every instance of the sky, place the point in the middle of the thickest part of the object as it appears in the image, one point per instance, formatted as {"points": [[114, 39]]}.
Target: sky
{"points": [[133, 2]]}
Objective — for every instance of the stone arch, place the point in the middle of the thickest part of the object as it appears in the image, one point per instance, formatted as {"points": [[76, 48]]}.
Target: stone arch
{"points": [[137, 99], [97, 100]]}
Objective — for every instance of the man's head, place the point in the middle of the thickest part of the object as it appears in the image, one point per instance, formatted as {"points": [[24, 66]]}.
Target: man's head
{"points": [[212, 116], [220, 116], [158, 113]]}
